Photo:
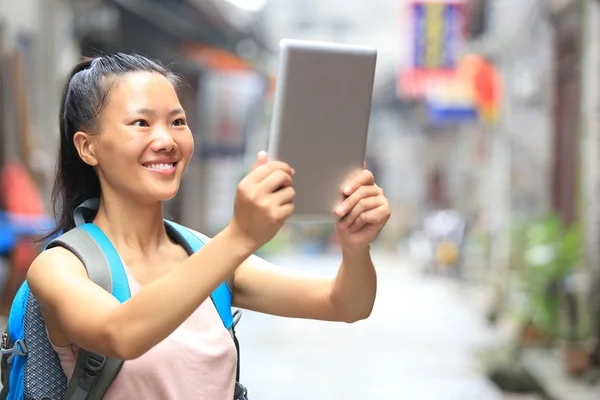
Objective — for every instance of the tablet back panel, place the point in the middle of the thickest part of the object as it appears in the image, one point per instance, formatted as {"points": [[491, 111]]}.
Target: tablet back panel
{"points": [[321, 114]]}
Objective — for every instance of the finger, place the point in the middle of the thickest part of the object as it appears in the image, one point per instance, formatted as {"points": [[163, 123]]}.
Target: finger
{"points": [[364, 177], [284, 212], [372, 217], [349, 203], [264, 170], [365, 204], [276, 180], [285, 195], [261, 158]]}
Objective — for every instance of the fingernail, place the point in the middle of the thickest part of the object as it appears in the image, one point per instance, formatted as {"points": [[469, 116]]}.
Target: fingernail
{"points": [[293, 172], [347, 190], [340, 210]]}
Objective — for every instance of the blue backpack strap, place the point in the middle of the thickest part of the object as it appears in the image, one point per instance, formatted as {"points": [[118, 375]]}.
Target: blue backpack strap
{"points": [[221, 296], [94, 373], [120, 284], [83, 245], [99, 257]]}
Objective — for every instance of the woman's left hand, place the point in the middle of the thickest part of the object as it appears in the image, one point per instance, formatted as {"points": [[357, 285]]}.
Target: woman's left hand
{"points": [[363, 213]]}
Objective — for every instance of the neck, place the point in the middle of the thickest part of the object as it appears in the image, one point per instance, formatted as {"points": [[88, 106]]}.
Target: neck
{"points": [[130, 225]]}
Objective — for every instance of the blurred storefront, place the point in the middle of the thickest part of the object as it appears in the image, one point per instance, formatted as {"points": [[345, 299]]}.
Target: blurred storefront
{"points": [[216, 46], [232, 103], [436, 34], [531, 171], [588, 203], [454, 97], [576, 195], [547, 178], [36, 51]]}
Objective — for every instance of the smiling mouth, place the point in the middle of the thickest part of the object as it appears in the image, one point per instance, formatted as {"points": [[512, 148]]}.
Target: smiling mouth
{"points": [[160, 166]]}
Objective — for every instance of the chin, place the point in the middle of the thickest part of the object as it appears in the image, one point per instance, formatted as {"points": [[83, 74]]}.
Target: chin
{"points": [[167, 195], [163, 194]]}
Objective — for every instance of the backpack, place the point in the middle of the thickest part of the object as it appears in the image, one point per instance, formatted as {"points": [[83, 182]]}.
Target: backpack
{"points": [[30, 368]]}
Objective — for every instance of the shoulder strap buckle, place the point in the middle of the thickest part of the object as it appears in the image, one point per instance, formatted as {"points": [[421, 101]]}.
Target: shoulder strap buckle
{"points": [[240, 393], [19, 349], [95, 362], [93, 366]]}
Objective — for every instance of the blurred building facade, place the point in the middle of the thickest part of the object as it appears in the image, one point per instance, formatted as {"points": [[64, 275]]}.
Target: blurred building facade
{"points": [[38, 49], [517, 38], [587, 209], [218, 48], [550, 62]]}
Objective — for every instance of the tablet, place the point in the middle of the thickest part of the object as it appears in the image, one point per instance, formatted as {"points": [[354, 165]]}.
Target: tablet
{"points": [[321, 112]]}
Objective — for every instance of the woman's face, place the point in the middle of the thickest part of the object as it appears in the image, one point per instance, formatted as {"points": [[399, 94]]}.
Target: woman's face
{"points": [[144, 143]]}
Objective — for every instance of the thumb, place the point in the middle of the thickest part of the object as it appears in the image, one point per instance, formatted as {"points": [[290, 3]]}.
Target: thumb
{"points": [[261, 158]]}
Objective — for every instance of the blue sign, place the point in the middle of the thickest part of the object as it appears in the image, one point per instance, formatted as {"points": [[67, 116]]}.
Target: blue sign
{"points": [[442, 115]]}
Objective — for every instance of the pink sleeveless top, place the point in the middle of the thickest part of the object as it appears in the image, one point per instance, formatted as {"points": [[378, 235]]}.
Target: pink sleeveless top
{"points": [[197, 361]]}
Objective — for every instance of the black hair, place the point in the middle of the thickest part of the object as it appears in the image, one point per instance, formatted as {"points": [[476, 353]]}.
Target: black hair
{"points": [[84, 97]]}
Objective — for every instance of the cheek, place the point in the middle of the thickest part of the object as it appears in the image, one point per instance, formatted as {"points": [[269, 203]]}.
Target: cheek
{"points": [[116, 153], [186, 145]]}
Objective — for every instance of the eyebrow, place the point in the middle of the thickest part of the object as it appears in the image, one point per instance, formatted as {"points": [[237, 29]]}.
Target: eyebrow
{"points": [[148, 111]]}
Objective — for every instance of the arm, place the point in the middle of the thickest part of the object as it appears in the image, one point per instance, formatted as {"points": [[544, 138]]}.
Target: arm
{"points": [[80, 312], [350, 296], [355, 286], [93, 319], [263, 287]]}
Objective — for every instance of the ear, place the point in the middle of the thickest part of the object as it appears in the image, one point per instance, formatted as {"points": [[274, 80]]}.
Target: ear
{"points": [[84, 144]]}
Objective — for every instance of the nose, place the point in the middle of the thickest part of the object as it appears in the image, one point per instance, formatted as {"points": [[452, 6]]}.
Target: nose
{"points": [[163, 141]]}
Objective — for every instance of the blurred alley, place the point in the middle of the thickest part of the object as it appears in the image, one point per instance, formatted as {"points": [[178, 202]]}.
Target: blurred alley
{"points": [[484, 134]]}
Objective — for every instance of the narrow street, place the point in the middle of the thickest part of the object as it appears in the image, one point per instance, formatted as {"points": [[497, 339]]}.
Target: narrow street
{"points": [[418, 344]]}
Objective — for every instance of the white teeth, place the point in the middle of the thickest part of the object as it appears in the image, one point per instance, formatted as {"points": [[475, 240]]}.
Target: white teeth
{"points": [[160, 166]]}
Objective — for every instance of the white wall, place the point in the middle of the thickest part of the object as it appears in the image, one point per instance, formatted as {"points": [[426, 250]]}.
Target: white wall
{"points": [[50, 53], [375, 23], [18, 16], [590, 162]]}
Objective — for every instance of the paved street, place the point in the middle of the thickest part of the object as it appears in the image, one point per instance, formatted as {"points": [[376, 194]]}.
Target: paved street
{"points": [[417, 345]]}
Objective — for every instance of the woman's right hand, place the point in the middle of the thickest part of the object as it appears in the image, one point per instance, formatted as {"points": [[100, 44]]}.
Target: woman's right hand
{"points": [[263, 201]]}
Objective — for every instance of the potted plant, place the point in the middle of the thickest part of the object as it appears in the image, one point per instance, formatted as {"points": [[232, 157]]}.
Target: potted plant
{"points": [[541, 274], [575, 345]]}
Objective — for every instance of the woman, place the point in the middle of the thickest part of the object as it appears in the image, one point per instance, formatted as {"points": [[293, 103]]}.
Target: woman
{"points": [[125, 140]]}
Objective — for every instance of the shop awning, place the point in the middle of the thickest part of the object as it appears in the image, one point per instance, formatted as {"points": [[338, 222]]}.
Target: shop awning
{"points": [[193, 21], [215, 58]]}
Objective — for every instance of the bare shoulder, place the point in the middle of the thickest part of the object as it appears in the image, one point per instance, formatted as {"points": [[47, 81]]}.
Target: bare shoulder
{"points": [[53, 267], [74, 308]]}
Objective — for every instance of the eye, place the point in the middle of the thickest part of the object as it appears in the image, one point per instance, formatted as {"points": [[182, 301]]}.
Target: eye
{"points": [[141, 123], [179, 122]]}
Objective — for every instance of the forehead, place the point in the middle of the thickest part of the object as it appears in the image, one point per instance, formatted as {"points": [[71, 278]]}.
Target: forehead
{"points": [[141, 90]]}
